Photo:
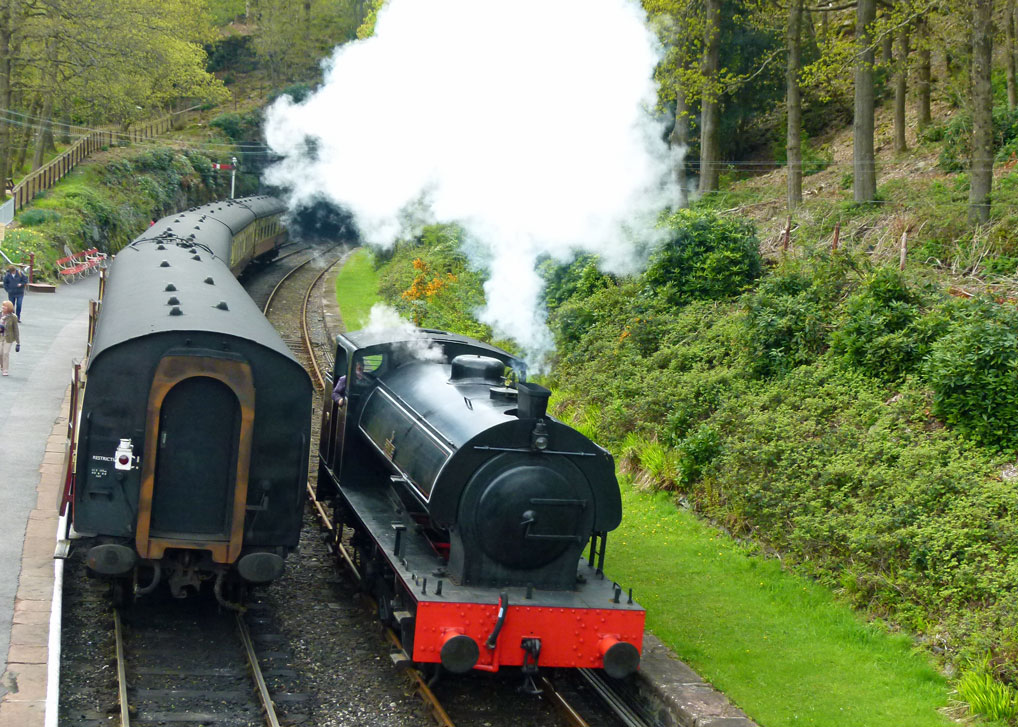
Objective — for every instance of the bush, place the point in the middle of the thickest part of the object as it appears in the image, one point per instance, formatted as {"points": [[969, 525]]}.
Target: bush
{"points": [[785, 324], [707, 256], [563, 281], [33, 217], [973, 371], [787, 318], [883, 331], [239, 126]]}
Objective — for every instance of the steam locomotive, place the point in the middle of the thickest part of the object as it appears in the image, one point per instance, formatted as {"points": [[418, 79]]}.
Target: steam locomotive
{"points": [[190, 438], [471, 507]]}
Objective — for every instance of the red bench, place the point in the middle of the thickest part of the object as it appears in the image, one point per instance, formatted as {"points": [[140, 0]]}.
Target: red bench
{"points": [[81, 263]]}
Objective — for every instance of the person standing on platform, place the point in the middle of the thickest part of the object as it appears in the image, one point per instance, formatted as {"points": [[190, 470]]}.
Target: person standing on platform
{"points": [[10, 335], [15, 283]]}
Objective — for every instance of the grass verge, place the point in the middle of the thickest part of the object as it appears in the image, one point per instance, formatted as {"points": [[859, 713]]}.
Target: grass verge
{"points": [[780, 646], [357, 288]]}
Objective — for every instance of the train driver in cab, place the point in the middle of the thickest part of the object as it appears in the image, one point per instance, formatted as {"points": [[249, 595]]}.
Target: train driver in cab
{"points": [[340, 390]]}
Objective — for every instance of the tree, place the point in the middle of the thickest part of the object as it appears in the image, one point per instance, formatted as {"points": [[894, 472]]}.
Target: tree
{"points": [[864, 185], [793, 104], [900, 88], [981, 169], [1009, 65], [710, 106], [923, 71], [293, 35]]}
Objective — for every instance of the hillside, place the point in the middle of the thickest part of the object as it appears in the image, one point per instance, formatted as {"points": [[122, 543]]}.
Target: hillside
{"points": [[915, 195], [857, 423]]}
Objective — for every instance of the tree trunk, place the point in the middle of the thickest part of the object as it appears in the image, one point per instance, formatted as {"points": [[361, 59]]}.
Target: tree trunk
{"points": [[21, 145], [793, 105], [1009, 66], [981, 174], [923, 112], [864, 184], [44, 136], [5, 89], [809, 41], [710, 111], [900, 88], [679, 139]]}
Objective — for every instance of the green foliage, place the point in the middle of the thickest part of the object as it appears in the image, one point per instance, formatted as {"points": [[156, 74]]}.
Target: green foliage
{"points": [[807, 412], [883, 330], [788, 316], [973, 371], [430, 282], [957, 135], [238, 126], [786, 324], [987, 696], [298, 92], [107, 206], [234, 52], [33, 217], [707, 256], [563, 281], [20, 243]]}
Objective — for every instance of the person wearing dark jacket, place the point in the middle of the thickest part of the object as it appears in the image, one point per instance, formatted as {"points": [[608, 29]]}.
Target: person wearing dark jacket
{"points": [[15, 283]]}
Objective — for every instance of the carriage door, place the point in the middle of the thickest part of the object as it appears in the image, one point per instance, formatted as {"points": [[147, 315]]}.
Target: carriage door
{"points": [[196, 460], [194, 474]]}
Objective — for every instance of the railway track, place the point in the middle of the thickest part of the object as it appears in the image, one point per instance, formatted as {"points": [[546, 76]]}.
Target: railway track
{"points": [[283, 297], [193, 664]]}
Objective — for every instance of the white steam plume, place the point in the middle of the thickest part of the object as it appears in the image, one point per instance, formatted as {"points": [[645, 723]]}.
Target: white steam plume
{"points": [[386, 318], [529, 123]]}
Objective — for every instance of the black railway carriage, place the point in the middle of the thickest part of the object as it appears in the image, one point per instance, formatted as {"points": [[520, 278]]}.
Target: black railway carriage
{"points": [[193, 434], [471, 507]]}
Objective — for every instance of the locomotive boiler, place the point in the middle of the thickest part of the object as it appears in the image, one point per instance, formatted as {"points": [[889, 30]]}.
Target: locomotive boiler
{"points": [[471, 508], [190, 440]]}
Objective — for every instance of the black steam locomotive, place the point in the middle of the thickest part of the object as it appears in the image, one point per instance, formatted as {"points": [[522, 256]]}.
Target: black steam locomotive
{"points": [[471, 507], [189, 444]]}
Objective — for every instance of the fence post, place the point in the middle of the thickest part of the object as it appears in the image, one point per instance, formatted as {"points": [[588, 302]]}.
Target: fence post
{"points": [[904, 250], [837, 232]]}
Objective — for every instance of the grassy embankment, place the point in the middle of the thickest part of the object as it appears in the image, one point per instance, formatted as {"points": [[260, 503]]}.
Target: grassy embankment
{"points": [[779, 645], [357, 289]]}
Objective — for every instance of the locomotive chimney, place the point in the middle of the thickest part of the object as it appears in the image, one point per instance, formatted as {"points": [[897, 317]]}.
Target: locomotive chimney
{"points": [[533, 401]]}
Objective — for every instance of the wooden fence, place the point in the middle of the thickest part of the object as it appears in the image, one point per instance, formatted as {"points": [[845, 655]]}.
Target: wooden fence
{"points": [[49, 174]]}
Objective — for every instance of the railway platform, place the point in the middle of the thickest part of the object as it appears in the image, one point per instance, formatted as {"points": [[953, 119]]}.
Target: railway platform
{"points": [[32, 433]]}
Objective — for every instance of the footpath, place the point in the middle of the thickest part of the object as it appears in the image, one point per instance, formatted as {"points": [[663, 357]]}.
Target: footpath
{"points": [[33, 428]]}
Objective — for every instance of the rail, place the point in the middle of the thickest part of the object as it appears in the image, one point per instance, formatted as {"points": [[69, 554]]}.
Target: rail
{"points": [[335, 543], [268, 708], [261, 687], [318, 378]]}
